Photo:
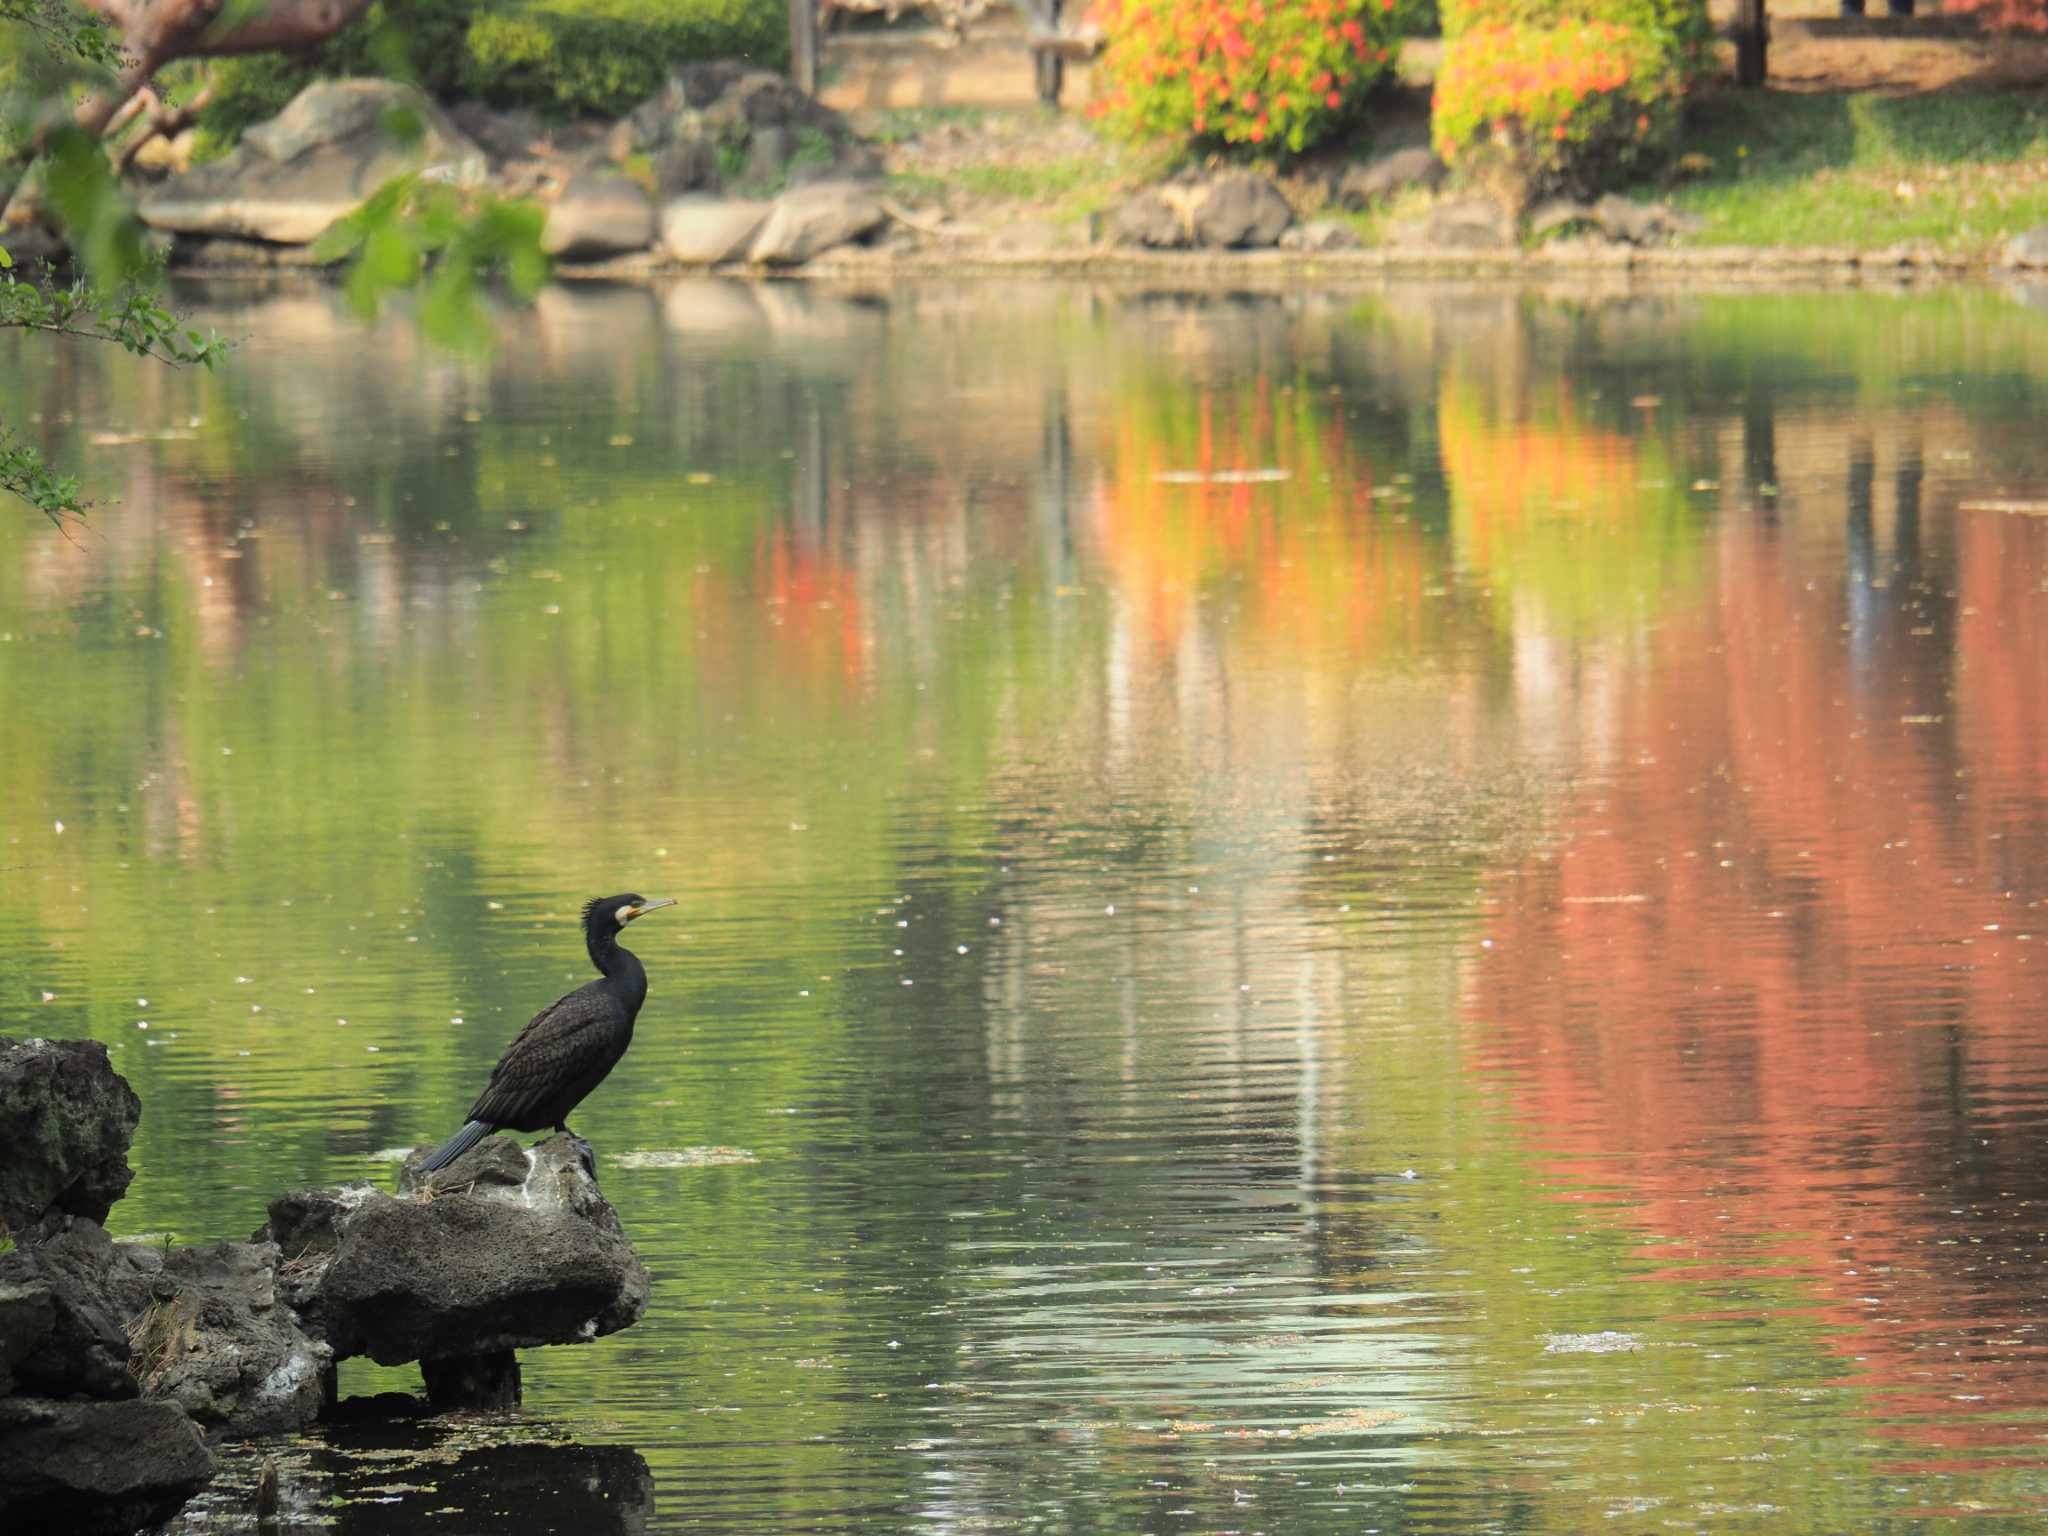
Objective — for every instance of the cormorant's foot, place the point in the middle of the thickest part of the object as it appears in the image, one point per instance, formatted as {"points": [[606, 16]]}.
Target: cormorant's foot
{"points": [[589, 1157]]}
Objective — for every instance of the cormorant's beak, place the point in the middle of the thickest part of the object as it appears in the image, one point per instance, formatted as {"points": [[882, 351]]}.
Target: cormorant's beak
{"points": [[652, 906]]}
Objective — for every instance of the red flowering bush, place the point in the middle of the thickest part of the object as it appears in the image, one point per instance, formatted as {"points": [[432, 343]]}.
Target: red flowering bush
{"points": [[1532, 109], [1278, 72]]}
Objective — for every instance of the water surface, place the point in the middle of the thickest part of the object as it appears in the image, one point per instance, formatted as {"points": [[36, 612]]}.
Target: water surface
{"points": [[1400, 912]]}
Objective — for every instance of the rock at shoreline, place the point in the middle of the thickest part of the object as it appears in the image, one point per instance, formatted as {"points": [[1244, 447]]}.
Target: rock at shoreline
{"points": [[316, 161], [1363, 185], [94, 1467], [1466, 224], [2026, 249], [209, 1335], [1321, 235], [66, 1119], [704, 231], [75, 1339], [598, 216], [803, 223], [1240, 211], [508, 1250]]}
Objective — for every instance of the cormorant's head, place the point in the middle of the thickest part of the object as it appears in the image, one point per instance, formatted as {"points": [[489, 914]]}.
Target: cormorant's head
{"points": [[608, 915]]}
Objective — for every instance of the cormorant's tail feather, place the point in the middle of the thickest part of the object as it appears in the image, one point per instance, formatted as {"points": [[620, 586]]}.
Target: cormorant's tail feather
{"points": [[449, 1150]]}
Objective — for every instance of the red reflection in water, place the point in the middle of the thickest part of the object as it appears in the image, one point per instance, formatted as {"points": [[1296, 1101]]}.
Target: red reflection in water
{"points": [[1776, 989]]}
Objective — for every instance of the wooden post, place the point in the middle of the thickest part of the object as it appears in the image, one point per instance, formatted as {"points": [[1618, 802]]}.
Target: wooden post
{"points": [[803, 45], [1052, 68], [1752, 42]]}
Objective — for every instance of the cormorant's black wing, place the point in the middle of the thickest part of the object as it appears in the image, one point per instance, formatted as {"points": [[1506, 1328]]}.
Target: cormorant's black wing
{"points": [[559, 1044]]}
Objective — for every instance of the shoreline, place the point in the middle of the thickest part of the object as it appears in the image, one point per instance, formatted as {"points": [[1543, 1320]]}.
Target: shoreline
{"points": [[1731, 267]]}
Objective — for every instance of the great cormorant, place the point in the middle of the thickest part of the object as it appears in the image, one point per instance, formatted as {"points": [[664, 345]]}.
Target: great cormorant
{"points": [[570, 1045]]}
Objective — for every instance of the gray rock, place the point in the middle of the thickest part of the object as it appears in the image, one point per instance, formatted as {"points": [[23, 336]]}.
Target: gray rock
{"points": [[1557, 213], [288, 185], [1465, 224], [1156, 218], [1240, 210], [599, 216], [66, 1118], [84, 1349], [726, 111], [94, 1468], [685, 165], [1363, 185], [503, 135], [1321, 235], [705, 231], [770, 147], [209, 1335], [809, 220], [27, 1315], [513, 1250], [1640, 223], [2029, 248]]}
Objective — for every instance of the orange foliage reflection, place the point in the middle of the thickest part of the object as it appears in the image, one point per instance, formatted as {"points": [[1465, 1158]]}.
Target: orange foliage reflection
{"points": [[1780, 975]]}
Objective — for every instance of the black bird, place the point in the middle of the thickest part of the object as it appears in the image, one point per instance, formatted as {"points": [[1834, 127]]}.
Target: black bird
{"points": [[570, 1045]]}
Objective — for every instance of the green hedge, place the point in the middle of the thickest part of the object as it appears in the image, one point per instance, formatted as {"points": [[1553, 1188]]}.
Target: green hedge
{"points": [[560, 57]]}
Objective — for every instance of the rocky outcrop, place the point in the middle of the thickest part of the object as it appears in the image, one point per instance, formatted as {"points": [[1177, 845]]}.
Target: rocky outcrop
{"points": [[1321, 235], [1470, 224], [724, 120], [80, 1449], [813, 219], [704, 230], [1361, 186], [505, 1250], [336, 143], [96, 1467], [209, 1334], [1620, 219], [598, 216], [1238, 210], [66, 1118]]}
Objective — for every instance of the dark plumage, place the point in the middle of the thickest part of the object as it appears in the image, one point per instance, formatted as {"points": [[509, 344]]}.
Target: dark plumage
{"points": [[570, 1045]]}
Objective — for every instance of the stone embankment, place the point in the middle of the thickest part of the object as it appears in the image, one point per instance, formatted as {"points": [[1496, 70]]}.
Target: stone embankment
{"points": [[119, 1362], [730, 168]]}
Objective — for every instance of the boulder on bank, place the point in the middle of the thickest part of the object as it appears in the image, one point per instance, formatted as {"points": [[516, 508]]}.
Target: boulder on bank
{"points": [[337, 142], [66, 1119], [209, 1335], [704, 230], [96, 1467], [504, 1250], [65, 1333], [598, 216], [1465, 224], [1238, 210], [1361, 186], [803, 223]]}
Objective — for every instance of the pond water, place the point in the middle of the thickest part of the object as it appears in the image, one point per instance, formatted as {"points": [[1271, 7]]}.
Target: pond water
{"points": [[1406, 911]]}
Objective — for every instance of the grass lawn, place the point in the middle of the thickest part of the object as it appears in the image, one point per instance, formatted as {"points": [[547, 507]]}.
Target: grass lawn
{"points": [[1959, 171]]}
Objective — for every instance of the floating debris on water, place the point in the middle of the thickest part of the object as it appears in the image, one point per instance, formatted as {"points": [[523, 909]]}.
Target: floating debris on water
{"points": [[1606, 1342], [1220, 476], [685, 1157]]}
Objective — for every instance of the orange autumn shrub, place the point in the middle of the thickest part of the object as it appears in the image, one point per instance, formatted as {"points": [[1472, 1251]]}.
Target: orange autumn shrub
{"points": [[1258, 72], [1566, 107]]}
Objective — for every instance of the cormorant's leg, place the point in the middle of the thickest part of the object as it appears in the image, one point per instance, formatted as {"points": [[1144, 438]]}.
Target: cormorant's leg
{"points": [[583, 1151]]}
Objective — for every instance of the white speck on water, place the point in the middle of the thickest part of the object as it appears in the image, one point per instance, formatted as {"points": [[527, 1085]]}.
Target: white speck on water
{"points": [[455, 1018], [995, 922], [961, 947], [241, 1053], [242, 981], [1110, 910], [371, 1049], [1606, 1342], [142, 1002], [255, 1007], [342, 1022], [495, 906], [1194, 890], [227, 751], [803, 991], [1345, 907], [60, 826], [895, 1343], [908, 982], [897, 952], [1486, 943], [902, 922], [1409, 1173], [142, 1023], [49, 997]]}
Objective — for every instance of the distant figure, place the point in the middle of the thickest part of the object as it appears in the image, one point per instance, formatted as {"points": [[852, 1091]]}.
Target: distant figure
{"points": [[570, 1045]]}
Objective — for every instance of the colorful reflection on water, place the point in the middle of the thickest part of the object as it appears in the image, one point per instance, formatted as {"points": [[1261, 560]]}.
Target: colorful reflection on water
{"points": [[1417, 911]]}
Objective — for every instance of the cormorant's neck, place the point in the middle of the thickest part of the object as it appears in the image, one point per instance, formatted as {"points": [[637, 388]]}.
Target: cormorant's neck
{"points": [[611, 957]]}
